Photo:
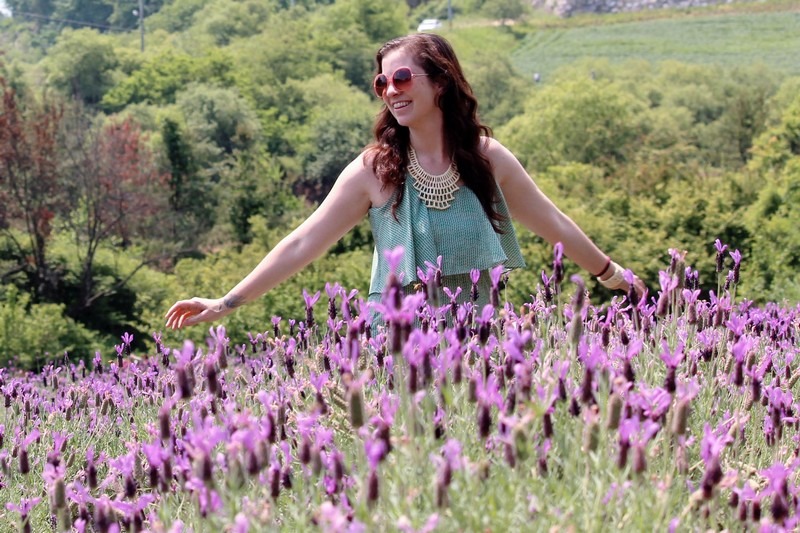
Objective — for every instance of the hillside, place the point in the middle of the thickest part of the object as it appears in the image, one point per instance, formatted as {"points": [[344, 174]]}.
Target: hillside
{"points": [[730, 40]]}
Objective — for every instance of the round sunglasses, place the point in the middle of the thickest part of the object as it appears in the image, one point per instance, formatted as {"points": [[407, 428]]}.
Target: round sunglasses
{"points": [[401, 79]]}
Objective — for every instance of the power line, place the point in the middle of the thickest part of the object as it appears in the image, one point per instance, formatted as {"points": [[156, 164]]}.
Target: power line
{"points": [[69, 21]]}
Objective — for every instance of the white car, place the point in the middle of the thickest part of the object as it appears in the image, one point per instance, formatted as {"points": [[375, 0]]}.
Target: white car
{"points": [[429, 24]]}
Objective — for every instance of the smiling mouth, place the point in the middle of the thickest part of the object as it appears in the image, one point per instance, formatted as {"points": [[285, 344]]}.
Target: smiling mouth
{"points": [[400, 105]]}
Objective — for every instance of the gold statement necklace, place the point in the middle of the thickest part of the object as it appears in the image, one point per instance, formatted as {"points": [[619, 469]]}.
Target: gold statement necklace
{"points": [[437, 192]]}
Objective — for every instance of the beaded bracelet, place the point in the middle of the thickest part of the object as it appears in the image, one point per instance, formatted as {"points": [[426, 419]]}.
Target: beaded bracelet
{"points": [[616, 281]]}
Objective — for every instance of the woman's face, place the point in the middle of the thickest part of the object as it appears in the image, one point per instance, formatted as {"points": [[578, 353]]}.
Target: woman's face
{"points": [[415, 102]]}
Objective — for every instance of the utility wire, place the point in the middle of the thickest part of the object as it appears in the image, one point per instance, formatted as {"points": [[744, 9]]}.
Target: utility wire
{"points": [[69, 21]]}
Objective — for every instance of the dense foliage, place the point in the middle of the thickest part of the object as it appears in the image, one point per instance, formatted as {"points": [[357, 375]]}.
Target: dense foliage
{"points": [[137, 178]]}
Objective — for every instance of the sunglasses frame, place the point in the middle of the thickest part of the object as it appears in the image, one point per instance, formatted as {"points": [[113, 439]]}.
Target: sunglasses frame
{"points": [[401, 85]]}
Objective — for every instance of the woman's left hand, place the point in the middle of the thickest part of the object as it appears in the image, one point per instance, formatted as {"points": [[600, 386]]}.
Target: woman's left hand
{"points": [[191, 312]]}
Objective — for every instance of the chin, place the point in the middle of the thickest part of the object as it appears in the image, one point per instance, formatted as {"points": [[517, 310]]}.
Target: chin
{"points": [[404, 120]]}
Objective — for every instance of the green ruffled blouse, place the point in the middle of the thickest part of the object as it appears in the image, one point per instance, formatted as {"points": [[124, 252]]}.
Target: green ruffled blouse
{"points": [[461, 234]]}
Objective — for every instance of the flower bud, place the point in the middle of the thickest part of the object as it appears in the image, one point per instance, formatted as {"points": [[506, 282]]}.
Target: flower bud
{"points": [[183, 383], [680, 417], [24, 463], [575, 329], [441, 496], [591, 435], [163, 423], [91, 476], [639, 459], [614, 412], [547, 425], [622, 455], [274, 482], [356, 406], [211, 377], [59, 494], [130, 487], [373, 488], [484, 421]]}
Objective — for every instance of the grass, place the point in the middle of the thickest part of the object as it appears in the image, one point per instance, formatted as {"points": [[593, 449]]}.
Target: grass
{"points": [[721, 38]]}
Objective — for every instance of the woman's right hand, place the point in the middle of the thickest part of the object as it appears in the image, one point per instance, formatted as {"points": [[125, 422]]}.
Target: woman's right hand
{"points": [[194, 311]]}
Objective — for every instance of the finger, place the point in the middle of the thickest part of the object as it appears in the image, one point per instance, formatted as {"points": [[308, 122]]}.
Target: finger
{"points": [[176, 307], [178, 319], [173, 317]]}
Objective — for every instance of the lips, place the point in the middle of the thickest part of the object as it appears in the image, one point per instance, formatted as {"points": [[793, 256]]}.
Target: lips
{"points": [[400, 105]]}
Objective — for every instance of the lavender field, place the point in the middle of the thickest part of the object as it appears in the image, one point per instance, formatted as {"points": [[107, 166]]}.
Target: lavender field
{"points": [[676, 412]]}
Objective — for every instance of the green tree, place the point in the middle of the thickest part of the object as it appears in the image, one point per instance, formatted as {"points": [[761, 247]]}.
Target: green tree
{"points": [[160, 77], [576, 120], [226, 20], [504, 10], [500, 90], [775, 216], [219, 122], [335, 130], [190, 196], [255, 186], [81, 65]]}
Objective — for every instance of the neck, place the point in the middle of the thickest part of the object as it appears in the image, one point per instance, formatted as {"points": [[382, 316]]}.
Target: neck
{"points": [[428, 141], [431, 153]]}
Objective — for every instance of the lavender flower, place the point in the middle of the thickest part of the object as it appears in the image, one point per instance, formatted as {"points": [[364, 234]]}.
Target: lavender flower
{"points": [[310, 301], [720, 254], [24, 508], [736, 255]]}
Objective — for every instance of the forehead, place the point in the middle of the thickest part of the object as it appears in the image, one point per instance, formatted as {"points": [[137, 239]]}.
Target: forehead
{"points": [[400, 57]]}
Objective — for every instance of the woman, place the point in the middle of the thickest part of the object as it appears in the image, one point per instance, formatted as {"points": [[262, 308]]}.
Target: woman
{"points": [[434, 181]]}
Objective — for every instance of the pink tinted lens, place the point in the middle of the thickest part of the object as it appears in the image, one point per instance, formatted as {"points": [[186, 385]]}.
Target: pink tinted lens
{"points": [[380, 84], [402, 78]]}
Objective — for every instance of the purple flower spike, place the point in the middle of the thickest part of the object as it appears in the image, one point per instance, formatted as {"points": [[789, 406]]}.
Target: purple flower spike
{"points": [[736, 255], [309, 299], [558, 252], [127, 338], [375, 450], [720, 253], [24, 507], [393, 258], [495, 273], [474, 275]]}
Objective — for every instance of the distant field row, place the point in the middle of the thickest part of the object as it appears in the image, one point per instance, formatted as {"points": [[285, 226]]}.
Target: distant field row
{"points": [[733, 39]]}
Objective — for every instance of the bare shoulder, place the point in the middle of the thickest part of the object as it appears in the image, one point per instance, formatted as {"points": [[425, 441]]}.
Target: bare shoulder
{"points": [[359, 175], [504, 163]]}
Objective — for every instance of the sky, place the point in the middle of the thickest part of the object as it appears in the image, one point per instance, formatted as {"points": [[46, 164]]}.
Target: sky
{"points": [[4, 9]]}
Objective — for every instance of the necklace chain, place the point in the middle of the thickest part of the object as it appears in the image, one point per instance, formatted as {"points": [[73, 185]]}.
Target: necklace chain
{"points": [[436, 191]]}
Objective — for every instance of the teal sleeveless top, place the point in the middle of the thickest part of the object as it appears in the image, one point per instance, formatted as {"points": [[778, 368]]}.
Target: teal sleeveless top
{"points": [[461, 234]]}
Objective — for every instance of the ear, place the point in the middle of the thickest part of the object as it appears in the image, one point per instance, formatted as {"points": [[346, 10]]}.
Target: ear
{"points": [[443, 84]]}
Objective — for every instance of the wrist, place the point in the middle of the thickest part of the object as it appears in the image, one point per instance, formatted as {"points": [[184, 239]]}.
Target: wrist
{"points": [[603, 273], [615, 278], [229, 302]]}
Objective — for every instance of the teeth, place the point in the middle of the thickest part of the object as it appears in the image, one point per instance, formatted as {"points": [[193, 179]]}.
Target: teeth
{"points": [[398, 105]]}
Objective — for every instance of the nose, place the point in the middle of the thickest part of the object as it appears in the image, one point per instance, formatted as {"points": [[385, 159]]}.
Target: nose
{"points": [[391, 89]]}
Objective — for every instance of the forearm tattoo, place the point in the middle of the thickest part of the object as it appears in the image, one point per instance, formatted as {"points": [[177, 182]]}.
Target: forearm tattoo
{"points": [[232, 301]]}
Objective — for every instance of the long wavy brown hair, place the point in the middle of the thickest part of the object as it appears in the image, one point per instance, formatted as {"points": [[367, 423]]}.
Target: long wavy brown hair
{"points": [[462, 129]]}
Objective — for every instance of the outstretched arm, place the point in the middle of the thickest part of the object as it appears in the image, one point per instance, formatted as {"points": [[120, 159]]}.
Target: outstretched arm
{"points": [[346, 204], [534, 210]]}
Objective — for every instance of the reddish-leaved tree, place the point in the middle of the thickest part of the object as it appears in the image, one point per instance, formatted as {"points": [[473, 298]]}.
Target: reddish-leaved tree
{"points": [[98, 181], [118, 198], [30, 195]]}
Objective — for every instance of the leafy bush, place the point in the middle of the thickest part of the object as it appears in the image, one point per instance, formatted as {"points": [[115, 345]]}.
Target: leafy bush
{"points": [[32, 335]]}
